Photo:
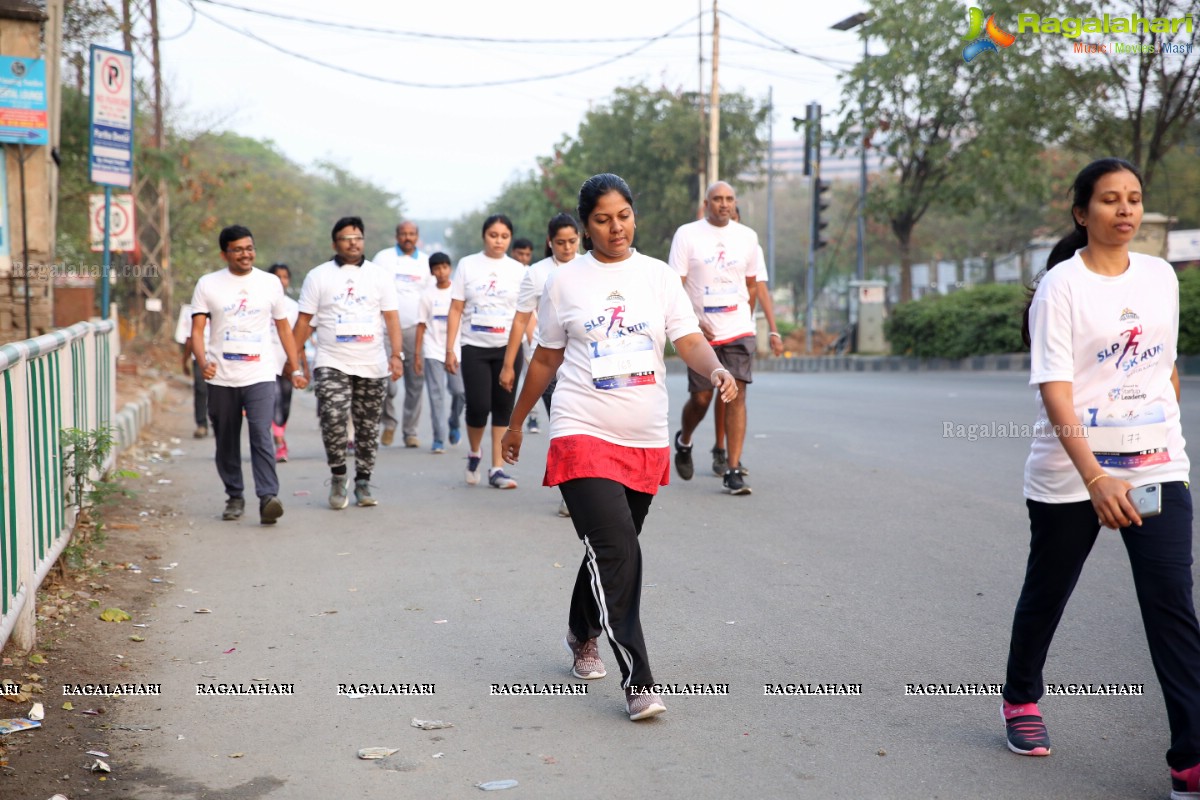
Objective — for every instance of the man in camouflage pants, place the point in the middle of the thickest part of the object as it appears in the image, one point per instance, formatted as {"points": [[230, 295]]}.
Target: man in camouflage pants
{"points": [[353, 302]]}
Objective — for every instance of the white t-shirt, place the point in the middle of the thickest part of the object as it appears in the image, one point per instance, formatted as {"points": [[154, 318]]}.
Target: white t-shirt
{"points": [[613, 321], [293, 313], [488, 288], [716, 262], [1114, 339], [434, 312], [534, 283], [183, 327], [242, 311], [411, 274], [347, 304]]}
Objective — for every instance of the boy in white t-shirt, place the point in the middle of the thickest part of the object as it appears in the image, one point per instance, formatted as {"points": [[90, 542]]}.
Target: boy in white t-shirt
{"points": [[242, 304], [430, 354]]}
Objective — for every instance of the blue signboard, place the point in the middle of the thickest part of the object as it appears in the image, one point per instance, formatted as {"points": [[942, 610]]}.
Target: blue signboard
{"points": [[23, 116], [110, 141]]}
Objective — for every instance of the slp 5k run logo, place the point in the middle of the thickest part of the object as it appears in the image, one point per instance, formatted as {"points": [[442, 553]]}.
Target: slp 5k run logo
{"points": [[985, 35]]}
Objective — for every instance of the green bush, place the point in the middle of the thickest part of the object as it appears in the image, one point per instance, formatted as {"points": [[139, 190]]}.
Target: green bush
{"points": [[1189, 312], [970, 322]]}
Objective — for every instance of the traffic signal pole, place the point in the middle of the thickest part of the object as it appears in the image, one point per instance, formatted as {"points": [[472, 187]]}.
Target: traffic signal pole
{"points": [[812, 142]]}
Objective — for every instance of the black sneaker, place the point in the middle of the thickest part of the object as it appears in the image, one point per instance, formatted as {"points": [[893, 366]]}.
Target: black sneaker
{"points": [[683, 459], [734, 483], [1025, 730], [720, 464], [234, 508], [269, 510]]}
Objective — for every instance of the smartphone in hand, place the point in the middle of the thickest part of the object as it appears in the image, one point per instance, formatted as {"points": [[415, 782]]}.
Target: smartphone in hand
{"points": [[1147, 499]]}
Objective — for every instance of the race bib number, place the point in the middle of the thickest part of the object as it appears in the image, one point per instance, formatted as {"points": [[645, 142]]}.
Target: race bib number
{"points": [[350, 328], [626, 361], [242, 346], [489, 320], [1129, 447], [719, 300]]}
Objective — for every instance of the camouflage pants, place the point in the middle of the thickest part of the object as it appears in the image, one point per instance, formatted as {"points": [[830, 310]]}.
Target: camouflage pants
{"points": [[341, 397]]}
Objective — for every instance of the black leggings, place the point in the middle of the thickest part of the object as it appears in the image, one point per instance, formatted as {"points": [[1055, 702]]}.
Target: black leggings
{"points": [[1160, 554], [481, 379], [283, 399], [608, 587]]}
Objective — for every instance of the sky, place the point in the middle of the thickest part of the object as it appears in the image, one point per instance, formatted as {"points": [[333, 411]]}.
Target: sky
{"points": [[448, 151]]}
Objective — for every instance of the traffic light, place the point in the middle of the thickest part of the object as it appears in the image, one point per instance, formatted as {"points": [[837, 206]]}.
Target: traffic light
{"points": [[819, 205]]}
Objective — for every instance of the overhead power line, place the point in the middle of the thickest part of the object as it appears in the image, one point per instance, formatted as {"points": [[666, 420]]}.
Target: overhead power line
{"points": [[783, 45], [447, 37], [421, 85]]}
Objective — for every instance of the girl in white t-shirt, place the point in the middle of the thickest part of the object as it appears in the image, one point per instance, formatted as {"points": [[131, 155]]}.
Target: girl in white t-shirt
{"points": [[603, 321], [562, 245], [483, 295], [1103, 326]]}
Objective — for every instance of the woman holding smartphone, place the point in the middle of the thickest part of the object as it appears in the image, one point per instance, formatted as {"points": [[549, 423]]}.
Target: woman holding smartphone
{"points": [[603, 321], [1103, 326]]}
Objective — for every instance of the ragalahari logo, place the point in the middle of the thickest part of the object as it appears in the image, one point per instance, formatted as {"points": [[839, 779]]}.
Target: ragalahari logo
{"points": [[985, 35]]}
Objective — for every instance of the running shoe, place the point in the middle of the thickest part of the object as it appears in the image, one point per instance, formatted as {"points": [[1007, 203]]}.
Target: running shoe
{"points": [[362, 493], [437, 447], [281, 452], [532, 425], [455, 436], [643, 704], [499, 480], [1185, 784], [683, 459], [412, 441], [339, 496], [734, 483], [269, 510], [720, 464], [585, 658], [563, 511], [234, 508], [473, 469], [389, 436], [1025, 730], [742, 469]]}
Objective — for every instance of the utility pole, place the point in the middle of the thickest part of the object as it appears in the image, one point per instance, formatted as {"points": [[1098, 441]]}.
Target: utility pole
{"points": [[703, 179], [151, 200], [714, 112], [771, 185]]}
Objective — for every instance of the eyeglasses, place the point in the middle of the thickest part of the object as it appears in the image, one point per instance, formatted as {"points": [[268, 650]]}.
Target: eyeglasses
{"points": [[240, 251], [349, 238]]}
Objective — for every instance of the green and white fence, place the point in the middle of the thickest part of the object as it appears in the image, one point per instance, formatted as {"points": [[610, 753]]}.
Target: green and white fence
{"points": [[64, 379]]}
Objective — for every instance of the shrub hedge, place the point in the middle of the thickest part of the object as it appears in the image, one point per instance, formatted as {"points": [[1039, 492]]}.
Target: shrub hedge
{"points": [[985, 320]]}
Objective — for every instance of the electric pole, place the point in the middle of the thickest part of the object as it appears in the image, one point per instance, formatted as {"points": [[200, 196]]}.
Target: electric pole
{"points": [[151, 200], [714, 111]]}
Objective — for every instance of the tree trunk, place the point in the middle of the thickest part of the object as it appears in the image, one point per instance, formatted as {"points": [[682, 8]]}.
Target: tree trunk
{"points": [[905, 267]]}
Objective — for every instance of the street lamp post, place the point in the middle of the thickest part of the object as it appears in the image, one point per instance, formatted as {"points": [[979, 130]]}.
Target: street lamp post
{"points": [[860, 267]]}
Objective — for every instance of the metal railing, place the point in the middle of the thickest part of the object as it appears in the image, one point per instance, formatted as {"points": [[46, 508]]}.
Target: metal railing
{"points": [[64, 379]]}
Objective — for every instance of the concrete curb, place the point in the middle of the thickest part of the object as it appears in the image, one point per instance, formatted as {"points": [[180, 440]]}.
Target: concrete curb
{"points": [[1014, 362], [1011, 362], [135, 416]]}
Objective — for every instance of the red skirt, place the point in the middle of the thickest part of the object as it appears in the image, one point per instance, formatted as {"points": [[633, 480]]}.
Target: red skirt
{"points": [[642, 469]]}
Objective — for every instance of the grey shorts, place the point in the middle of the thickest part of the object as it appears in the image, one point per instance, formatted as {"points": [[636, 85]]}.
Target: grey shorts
{"points": [[736, 356]]}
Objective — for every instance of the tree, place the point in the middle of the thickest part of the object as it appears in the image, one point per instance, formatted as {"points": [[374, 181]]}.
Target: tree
{"points": [[1154, 95], [956, 133], [650, 138], [85, 22]]}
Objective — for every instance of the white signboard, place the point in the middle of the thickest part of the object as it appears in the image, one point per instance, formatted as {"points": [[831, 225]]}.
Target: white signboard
{"points": [[110, 142], [120, 231]]}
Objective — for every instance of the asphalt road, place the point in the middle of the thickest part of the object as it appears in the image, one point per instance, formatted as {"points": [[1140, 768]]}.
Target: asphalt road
{"points": [[874, 551]]}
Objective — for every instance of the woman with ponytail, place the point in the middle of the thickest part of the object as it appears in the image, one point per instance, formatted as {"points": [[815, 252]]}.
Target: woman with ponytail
{"points": [[1103, 325]]}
